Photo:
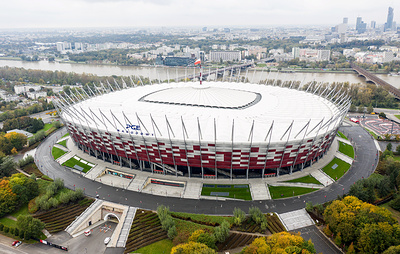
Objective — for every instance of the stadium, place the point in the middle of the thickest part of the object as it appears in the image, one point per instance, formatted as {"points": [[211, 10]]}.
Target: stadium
{"points": [[210, 130]]}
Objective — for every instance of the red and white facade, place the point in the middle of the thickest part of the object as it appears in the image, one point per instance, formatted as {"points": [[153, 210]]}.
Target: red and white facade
{"points": [[216, 129]]}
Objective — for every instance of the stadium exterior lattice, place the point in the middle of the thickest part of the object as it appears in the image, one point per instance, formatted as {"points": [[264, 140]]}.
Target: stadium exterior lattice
{"points": [[217, 129]]}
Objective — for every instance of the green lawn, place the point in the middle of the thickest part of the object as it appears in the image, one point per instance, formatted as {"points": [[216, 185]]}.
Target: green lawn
{"points": [[57, 152], [372, 133], [22, 211], [238, 193], [8, 222], [205, 218], [339, 171], [72, 162], [304, 179], [398, 116], [340, 134], [346, 149], [63, 143], [163, 246], [396, 158], [285, 192], [66, 135], [395, 214]]}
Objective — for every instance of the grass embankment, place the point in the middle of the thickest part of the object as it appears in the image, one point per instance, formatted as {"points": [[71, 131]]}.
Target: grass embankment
{"points": [[304, 179], [66, 135], [338, 171], [238, 191], [160, 247], [75, 162], [203, 218], [285, 192], [398, 116], [63, 143], [57, 152], [346, 149], [340, 134]]}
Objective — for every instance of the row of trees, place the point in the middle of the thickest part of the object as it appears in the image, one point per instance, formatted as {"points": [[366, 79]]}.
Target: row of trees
{"points": [[31, 125], [16, 191], [357, 225]]}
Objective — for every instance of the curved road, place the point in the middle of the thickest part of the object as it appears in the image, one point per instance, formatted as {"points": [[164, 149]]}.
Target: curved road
{"points": [[363, 166]]}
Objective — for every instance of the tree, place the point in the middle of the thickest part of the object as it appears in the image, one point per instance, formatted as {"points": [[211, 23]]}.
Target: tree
{"points": [[392, 250], [353, 108], [239, 216], [370, 109], [8, 199], [192, 247], [389, 147], [32, 226], [222, 232]]}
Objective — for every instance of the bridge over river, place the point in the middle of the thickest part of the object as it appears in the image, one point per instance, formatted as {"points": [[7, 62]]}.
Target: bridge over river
{"points": [[369, 77]]}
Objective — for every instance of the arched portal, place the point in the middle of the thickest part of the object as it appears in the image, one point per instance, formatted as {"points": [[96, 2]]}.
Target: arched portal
{"points": [[111, 217]]}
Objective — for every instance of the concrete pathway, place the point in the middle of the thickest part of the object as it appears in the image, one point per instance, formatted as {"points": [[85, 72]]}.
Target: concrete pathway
{"points": [[259, 191], [95, 172], [61, 147], [344, 140], [296, 219], [192, 190], [138, 182], [344, 158], [322, 177]]}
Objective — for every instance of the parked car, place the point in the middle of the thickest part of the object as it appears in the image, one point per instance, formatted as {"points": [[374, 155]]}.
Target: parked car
{"points": [[107, 240], [18, 243], [14, 243]]}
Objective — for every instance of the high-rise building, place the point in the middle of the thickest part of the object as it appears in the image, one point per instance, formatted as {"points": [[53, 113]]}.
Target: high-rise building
{"points": [[373, 24], [389, 22], [361, 27], [345, 20]]}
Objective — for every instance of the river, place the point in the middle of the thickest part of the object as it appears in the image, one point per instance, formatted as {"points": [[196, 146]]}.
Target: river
{"points": [[164, 72]]}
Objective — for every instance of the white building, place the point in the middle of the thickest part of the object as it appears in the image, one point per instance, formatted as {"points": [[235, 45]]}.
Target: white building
{"points": [[36, 95], [216, 56], [24, 89], [311, 55], [374, 57]]}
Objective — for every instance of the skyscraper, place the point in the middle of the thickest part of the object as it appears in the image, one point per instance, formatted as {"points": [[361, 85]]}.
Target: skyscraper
{"points": [[361, 27], [389, 23], [373, 24], [345, 20]]}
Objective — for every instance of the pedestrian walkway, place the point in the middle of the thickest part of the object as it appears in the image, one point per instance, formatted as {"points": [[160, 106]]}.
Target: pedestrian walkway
{"points": [[78, 221], [95, 172], [65, 157], [126, 227], [322, 177], [303, 185], [344, 158], [344, 140], [192, 190], [259, 190], [296, 219], [61, 147]]}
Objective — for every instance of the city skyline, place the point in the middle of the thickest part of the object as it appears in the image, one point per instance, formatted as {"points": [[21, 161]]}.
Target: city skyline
{"points": [[153, 13]]}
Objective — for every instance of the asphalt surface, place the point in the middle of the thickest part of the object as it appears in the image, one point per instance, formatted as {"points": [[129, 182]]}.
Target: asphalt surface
{"points": [[363, 166], [321, 243]]}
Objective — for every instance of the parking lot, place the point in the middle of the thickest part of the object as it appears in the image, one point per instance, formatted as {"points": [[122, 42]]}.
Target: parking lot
{"points": [[378, 125]]}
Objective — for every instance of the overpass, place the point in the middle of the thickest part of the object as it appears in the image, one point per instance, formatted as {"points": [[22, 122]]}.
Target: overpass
{"points": [[226, 69], [369, 77]]}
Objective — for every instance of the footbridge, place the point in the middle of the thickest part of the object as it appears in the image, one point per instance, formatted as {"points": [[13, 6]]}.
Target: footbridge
{"points": [[369, 77], [228, 69]]}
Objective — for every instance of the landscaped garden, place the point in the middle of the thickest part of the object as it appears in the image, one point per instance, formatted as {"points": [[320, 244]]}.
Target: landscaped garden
{"points": [[340, 134], [238, 191], [145, 230], [78, 164], [304, 179], [288, 191], [63, 143], [346, 149], [336, 168], [59, 218], [57, 152]]}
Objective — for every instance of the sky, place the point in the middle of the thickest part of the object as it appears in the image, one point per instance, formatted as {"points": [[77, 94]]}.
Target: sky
{"points": [[199, 13]]}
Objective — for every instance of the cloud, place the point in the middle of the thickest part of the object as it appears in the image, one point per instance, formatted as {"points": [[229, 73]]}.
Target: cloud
{"points": [[157, 2]]}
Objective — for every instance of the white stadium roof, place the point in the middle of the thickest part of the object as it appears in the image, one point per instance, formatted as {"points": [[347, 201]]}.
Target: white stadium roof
{"points": [[198, 105]]}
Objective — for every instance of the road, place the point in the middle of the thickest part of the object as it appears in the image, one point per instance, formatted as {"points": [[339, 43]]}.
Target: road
{"points": [[362, 167]]}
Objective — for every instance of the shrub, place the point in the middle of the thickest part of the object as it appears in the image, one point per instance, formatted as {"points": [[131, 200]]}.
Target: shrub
{"points": [[11, 231], [172, 232], [6, 229], [21, 234], [222, 232], [16, 231], [23, 162], [1, 227], [239, 216]]}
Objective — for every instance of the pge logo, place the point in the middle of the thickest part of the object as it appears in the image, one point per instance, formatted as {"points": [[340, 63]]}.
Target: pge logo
{"points": [[133, 127]]}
